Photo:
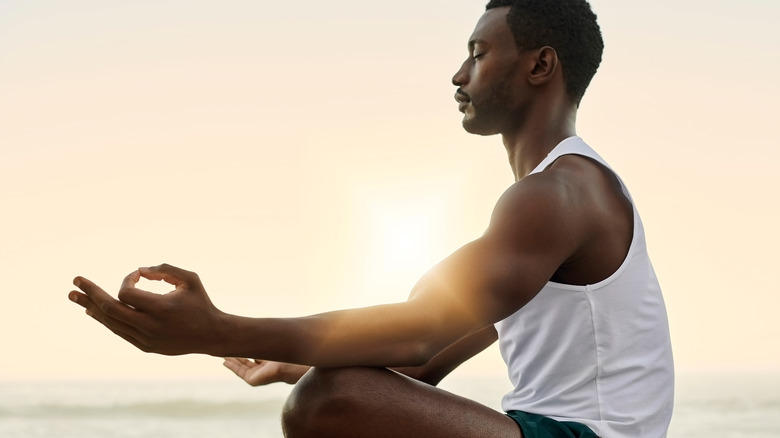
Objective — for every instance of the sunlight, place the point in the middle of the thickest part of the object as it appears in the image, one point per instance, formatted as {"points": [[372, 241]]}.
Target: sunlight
{"points": [[402, 237]]}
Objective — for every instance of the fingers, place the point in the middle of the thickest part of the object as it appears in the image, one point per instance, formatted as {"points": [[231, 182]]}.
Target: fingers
{"points": [[169, 274], [121, 329], [233, 364], [93, 293], [128, 293], [79, 298], [255, 372], [239, 365], [139, 299], [131, 280], [150, 321], [127, 332], [99, 303]]}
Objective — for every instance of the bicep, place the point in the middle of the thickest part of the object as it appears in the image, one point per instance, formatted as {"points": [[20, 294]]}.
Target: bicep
{"points": [[492, 277]]}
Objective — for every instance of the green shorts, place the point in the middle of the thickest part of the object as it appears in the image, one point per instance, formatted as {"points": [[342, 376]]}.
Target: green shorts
{"points": [[537, 426]]}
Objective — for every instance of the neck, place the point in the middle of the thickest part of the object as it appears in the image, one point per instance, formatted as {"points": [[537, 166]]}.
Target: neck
{"points": [[532, 140]]}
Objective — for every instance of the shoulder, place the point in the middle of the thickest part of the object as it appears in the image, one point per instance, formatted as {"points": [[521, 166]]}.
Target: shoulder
{"points": [[573, 199], [570, 182], [575, 212], [557, 189]]}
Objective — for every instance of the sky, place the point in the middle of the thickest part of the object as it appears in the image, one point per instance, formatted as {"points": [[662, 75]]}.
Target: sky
{"points": [[308, 156]]}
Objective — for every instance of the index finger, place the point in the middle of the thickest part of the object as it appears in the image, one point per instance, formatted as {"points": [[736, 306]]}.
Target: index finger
{"points": [[131, 280], [167, 273]]}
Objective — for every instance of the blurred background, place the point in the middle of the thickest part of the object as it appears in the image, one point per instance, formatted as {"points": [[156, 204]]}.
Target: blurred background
{"points": [[307, 156]]}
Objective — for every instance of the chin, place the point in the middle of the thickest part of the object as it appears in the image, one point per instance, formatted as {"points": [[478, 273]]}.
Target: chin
{"points": [[477, 129]]}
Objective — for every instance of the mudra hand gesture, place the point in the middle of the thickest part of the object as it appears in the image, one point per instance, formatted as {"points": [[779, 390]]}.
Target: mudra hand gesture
{"points": [[179, 322]]}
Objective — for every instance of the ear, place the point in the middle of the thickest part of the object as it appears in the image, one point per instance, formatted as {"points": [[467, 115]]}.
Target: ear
{"points": [[545, 64]]}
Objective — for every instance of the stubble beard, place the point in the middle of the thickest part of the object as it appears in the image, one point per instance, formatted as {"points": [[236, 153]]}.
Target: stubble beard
{"points": [[489, 112]]}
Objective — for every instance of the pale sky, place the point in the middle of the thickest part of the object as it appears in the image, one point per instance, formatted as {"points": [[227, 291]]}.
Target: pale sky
{"points": [[307, 156]]}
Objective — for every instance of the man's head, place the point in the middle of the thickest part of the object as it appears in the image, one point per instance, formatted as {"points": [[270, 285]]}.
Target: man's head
{"points": [[568, 26], [529, 61]]}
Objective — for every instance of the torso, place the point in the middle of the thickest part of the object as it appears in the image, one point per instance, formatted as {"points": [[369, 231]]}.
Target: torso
{"points": [[593, 344]]}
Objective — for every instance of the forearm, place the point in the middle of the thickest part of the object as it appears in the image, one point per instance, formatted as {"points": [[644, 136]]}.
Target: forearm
{"points": [[402, 334], [450, 358]]}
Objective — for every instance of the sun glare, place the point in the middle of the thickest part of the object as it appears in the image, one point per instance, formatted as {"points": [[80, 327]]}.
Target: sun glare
{"points": [[402, 235], [403, 239]]}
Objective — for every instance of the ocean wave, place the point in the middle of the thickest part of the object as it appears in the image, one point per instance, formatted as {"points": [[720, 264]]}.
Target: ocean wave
{"points": [[164, 409], [732, 404]]}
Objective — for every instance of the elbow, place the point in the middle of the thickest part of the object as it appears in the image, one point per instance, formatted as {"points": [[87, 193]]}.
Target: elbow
{"points": [[423, 350], [431, 338], [411, 353], [422, 354]]}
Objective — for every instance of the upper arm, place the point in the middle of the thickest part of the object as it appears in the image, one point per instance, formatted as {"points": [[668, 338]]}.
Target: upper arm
{"points": [[530, 235]]}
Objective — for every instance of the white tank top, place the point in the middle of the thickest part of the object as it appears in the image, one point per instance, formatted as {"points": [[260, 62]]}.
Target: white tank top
{"points": [[598, 354]]}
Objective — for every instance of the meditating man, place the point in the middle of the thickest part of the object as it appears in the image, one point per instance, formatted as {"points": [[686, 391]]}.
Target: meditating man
{"points": [[561, 278]]}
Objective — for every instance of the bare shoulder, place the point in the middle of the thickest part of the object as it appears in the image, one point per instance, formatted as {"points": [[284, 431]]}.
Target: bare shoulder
{"points": [[572, 184], [575, 207]]}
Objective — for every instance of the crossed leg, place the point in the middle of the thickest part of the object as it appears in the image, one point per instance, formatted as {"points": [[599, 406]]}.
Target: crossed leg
{"points": [[379, 403]]}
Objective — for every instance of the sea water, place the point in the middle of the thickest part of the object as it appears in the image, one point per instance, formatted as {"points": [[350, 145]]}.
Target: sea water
{"points": [[728, 406]]}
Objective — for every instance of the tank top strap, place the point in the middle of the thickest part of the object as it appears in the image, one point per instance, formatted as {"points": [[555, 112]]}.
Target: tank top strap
{"points": [[576, 146], [570, 146]]}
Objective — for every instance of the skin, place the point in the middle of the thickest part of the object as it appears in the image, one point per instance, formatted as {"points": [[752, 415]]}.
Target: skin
{"points": [[570, 223]]}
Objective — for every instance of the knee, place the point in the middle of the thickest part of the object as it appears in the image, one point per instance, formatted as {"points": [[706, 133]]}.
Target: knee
{"points": [[322, 400]]}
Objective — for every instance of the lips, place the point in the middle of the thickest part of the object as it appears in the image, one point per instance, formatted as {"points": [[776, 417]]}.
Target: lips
{"points": [[463, 100]]}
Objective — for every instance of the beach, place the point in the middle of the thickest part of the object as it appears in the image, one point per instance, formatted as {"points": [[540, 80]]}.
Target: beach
{"points": [[744, 405]]}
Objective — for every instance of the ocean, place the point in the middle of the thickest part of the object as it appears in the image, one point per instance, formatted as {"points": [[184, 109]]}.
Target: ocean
{"points": [[707, 405]]}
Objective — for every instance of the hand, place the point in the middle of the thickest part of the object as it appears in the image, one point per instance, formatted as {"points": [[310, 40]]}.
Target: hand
{"points": [[263, 372], [179, 322]]}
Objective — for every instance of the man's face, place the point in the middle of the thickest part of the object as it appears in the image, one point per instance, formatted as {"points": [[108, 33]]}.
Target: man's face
{"points": [[487, 81]]}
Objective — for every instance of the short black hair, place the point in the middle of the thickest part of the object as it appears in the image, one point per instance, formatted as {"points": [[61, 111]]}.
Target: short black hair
{"points": [[568, 26]]}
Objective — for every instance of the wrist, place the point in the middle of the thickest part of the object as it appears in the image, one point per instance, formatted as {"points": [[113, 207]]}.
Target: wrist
{"points": [[291, 373], [222, 335]]}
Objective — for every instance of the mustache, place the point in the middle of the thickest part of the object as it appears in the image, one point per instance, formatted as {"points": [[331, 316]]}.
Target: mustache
{"points": [[462, 96]]}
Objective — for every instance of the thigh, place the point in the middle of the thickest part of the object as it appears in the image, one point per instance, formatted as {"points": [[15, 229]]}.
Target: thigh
{"points": [[377, 403]]}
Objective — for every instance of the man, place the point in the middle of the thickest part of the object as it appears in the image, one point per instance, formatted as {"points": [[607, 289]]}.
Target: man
{"points": [[561, 278]]}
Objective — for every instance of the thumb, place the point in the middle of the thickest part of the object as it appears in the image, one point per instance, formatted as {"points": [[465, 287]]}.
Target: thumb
{"points": [[139, 299]]}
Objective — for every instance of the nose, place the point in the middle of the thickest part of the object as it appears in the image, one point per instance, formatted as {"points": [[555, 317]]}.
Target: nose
{"points": [[461, 76]]}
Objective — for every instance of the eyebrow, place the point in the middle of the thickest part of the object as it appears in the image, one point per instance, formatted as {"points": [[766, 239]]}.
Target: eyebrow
{"points": [[476, 41]]}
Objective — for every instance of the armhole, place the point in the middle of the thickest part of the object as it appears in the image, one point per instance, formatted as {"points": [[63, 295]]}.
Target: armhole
{"points": [[635, 226]]}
